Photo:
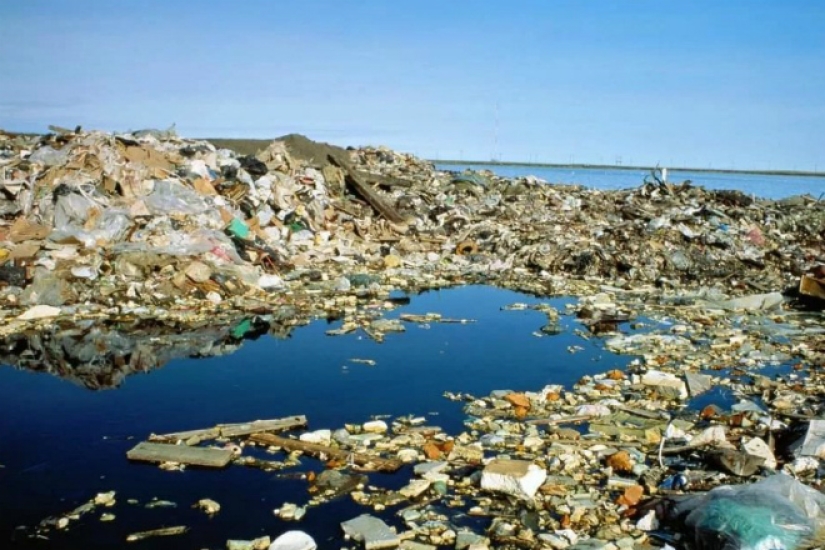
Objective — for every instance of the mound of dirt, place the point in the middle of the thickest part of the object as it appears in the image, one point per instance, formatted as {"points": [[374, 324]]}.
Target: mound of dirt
{"points": [[313, 152]]}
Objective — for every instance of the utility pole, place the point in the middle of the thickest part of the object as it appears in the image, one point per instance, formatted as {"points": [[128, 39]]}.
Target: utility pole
{"points": [[495, 135]]}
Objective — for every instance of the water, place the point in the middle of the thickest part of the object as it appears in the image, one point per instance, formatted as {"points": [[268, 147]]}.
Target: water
{"points": [[61, 443], [760, 185]]}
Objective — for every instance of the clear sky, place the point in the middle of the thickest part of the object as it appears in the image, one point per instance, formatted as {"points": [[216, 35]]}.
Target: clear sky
{"points": [[735, 83]]}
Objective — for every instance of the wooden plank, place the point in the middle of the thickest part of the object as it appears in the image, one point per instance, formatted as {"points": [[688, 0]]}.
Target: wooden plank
{"points": [[317, 450], [162, 532], [558, 421], [182, 454], [275, 425], [193, 437], [370, 195], [650, 415], [376, 201]]}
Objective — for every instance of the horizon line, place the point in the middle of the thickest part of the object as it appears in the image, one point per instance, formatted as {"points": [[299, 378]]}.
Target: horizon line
{"points": [[588, 166]]}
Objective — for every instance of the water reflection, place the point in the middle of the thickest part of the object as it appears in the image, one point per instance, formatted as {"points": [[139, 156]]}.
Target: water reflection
{"points": [[101, 357]]}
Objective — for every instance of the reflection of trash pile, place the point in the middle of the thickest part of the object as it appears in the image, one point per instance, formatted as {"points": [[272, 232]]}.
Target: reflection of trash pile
{"points": [[150, 219], [100, 357]]}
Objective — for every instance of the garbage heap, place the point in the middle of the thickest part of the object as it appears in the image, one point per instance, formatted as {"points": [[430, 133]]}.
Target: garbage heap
{"points": [[150, 222]]}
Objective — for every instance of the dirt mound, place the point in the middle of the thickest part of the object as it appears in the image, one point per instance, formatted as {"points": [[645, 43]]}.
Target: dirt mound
{"points": [[313, 152]]}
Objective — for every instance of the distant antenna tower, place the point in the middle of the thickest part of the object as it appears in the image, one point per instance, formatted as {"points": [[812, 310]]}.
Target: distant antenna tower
{"points": [[495, 136]]}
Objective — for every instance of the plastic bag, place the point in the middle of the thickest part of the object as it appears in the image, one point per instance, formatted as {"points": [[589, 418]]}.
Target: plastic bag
{"points": [[171, 197], [72, 210], [201, 242], [776, 513], [49, 156], [71, 221]]}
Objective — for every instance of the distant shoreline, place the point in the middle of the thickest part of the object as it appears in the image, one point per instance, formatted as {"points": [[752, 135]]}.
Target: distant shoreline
{"points": [[615, 167], [251, 146]]}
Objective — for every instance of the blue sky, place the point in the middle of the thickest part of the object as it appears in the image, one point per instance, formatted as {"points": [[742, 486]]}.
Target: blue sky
{"points": [[701, 83]]}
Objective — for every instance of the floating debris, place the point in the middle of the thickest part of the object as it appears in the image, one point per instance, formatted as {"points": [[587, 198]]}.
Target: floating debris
{"points": [[209, 506], [162, 532]]}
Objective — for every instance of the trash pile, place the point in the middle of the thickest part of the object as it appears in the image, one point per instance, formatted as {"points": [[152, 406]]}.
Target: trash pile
{"points": [[150, 222]]}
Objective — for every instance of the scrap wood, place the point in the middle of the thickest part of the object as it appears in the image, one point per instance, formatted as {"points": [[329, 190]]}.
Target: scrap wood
{"points": [[606, 442], [315, 449], [193, 437], [557, 421], [650, 415], [162, 532], [385, 180], [181, 454], [277, 424], [376, 201], [370, 195]]}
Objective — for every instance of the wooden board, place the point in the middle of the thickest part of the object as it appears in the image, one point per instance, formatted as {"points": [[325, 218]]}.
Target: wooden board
{"points": [[314, 449], [276, 425], [182, 454], [193, 437], [365, 191]]}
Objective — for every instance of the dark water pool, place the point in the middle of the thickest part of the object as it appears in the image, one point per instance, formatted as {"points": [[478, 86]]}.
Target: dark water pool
{"points": [[61, 443]]}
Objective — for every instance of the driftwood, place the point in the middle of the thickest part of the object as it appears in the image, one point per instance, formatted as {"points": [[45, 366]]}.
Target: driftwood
{"points": [[182, 454], [317, 450]]}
